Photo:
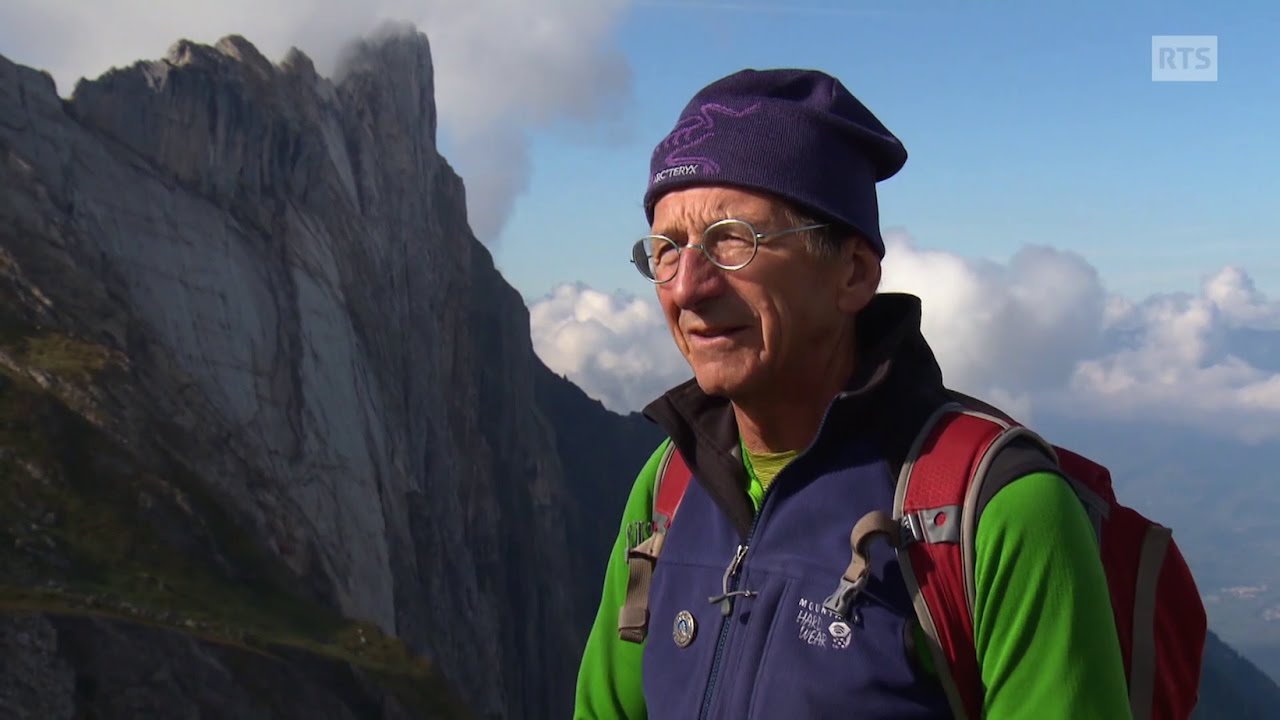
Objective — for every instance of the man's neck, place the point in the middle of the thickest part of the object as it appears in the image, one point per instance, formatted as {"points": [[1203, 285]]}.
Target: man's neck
{"points": [[788, 418]]}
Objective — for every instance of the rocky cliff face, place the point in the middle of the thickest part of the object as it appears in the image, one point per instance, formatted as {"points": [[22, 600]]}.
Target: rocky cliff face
{"points": [[289, 390]]}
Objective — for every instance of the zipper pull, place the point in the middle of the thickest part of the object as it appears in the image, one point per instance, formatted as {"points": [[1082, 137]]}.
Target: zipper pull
{"points": [[725, 598], [737, 561]]}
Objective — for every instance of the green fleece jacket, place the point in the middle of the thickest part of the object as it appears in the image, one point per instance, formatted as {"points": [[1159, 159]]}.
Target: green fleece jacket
{"points": [[1043, 625]]}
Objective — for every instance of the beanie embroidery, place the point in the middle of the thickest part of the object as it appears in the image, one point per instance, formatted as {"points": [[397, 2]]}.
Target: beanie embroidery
{"points": [[690, 132]]}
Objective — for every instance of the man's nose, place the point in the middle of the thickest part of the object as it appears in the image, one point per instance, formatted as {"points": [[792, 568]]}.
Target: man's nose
{"points": [[697, 279]]}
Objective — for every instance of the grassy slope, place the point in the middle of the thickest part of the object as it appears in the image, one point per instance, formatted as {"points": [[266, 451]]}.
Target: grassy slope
{"points": [[86, 528]]}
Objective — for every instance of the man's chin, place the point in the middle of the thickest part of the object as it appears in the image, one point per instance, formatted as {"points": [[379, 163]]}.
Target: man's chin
{"points": [[718, 382]]}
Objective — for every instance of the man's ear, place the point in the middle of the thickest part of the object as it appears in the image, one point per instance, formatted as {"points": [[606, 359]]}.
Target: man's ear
{"points": [[859, 275]]}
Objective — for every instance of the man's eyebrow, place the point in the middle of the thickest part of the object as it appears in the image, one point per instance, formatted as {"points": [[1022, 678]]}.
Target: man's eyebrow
{"points": [[717, 214], [675, 230]]}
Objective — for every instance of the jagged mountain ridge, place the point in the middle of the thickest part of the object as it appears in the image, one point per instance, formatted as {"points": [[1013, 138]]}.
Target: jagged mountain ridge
{"points": [[266, 279], [251, 291]]}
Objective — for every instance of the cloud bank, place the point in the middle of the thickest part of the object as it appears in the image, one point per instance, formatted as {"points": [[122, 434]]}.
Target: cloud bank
{"points": [[615, 347], [502, 69], [1038, 334]]}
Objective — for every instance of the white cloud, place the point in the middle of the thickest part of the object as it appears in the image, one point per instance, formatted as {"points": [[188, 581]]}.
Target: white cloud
{"points": [[1009, 328], [502, 69], [1039, 334], [1183, 358], [615, 347], [1043, 334]]}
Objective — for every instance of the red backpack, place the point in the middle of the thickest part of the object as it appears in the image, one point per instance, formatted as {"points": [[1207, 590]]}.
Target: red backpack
{"points": [[1159, 616]]}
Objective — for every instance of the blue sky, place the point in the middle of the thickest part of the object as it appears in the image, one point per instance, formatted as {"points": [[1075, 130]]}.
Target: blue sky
{"points": [[1028, 124]]}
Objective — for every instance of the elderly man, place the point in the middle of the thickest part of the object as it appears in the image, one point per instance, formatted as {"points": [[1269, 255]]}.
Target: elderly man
{"points": [[809, 389]]}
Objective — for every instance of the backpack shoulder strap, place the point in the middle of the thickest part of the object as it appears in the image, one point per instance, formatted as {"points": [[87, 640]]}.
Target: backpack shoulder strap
{"points": [[668, 487], [936, 504], [645, 543]]}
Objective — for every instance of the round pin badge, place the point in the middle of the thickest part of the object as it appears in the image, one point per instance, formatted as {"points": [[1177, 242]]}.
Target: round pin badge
{"points": [[685, 628]]}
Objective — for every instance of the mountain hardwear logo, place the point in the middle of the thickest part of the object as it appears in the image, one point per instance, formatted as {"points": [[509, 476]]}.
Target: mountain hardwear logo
{"points": [[820, 627]]}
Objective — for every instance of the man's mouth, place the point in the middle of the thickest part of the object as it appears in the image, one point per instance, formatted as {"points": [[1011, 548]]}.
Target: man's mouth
{"points": [[716, 333]]}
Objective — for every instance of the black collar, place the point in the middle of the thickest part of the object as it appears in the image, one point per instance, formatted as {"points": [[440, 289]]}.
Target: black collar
{"points": [[895, 386]]}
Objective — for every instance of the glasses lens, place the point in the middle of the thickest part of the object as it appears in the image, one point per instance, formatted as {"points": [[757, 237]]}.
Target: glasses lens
{"points": [[656, 258], [731, 243]]}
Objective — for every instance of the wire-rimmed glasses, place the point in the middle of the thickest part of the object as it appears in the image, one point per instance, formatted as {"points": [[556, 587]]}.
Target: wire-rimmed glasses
{"points": [[729, 244]]}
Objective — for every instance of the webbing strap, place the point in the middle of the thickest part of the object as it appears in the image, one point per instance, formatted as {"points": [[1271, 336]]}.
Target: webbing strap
{"points": [[855, 576], [633, 616], [866, 529], [933, 487], [672, 477], [1142, 663]]}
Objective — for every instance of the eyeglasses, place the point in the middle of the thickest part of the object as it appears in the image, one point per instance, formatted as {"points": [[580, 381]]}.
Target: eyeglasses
{"points": [[729, 245]]}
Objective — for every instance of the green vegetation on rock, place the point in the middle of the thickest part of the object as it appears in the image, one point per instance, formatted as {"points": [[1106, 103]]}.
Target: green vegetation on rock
{"points": [[87, 527]]}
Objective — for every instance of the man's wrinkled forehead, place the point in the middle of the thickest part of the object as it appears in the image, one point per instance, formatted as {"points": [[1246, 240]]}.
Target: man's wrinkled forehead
{"points": [[691, 211]]}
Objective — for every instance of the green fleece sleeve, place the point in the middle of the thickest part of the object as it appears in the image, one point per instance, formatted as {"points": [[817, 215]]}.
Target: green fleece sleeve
{"points": [[1043, 625], [609, 675]]}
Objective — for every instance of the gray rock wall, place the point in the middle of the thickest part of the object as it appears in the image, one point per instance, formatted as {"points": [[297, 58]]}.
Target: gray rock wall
{"points": [[285, 262]]}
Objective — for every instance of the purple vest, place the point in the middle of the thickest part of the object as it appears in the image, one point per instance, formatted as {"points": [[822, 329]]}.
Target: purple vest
{"points": [[778, 653]]}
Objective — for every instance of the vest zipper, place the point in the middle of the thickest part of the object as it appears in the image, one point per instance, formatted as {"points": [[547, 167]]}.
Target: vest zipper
{"points": [[731, 590], [735, 568]]}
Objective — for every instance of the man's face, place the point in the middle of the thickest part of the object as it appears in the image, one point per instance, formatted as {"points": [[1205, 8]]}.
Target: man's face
{"points": [[753, 331]]}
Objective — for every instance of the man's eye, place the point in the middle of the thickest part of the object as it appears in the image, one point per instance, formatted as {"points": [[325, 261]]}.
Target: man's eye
{"points": [[664, 253]]}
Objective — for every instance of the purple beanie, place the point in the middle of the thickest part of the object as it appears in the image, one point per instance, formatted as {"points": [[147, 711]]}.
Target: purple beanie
{"points": [[798, 134]]}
